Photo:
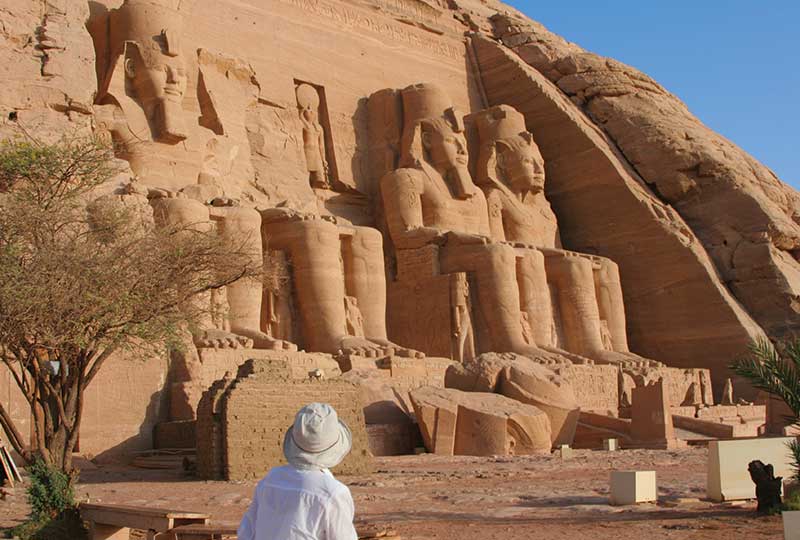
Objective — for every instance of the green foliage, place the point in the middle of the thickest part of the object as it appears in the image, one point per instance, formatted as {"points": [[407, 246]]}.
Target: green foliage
{"points": [[85, 274], [49, 493], [778, 374], [54, 514], [68, 526], [794, 448], [792, 502]]}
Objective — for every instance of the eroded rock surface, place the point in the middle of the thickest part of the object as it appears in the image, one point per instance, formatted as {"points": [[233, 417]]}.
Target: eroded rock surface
{"points": [[478, 423], [745, 217]]}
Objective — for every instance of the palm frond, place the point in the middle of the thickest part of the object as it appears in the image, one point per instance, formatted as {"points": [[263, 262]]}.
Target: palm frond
{"points": [[779, 375]]}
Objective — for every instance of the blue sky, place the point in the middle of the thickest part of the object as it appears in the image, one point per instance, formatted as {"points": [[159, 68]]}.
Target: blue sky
{"points": [[735, 63]]}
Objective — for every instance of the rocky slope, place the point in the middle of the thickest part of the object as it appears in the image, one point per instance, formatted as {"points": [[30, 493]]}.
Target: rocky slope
{"points": [[745, 217]]}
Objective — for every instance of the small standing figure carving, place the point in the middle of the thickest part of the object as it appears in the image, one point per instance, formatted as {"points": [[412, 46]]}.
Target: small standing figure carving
{"points": [[313, 136], [463, 344]]}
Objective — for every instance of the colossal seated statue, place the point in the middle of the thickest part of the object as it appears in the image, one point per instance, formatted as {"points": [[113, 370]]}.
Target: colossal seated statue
{"points": [[141, 99], [337, 268], [339, 282], [431, 201], [510, 170]]}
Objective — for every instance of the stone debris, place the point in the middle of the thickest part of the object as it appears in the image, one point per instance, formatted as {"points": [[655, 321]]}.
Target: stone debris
{"points": [[479, 424]]}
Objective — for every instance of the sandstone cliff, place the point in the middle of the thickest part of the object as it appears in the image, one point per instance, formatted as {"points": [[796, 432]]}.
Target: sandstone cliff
{"points": [[745, 217], [705, 237]]}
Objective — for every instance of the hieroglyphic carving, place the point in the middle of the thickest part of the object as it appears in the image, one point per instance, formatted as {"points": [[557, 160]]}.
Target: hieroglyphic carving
{"points": [[347, 17], [416, 8]]}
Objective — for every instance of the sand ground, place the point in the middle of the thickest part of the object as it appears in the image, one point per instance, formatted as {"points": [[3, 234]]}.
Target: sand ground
{"points": [[464, 498]]}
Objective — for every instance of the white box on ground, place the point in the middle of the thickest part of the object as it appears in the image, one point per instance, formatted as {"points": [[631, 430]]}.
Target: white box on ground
{"points": [[728, 478], [611, 445], [791, 525], [565, 451], [631, 487]]}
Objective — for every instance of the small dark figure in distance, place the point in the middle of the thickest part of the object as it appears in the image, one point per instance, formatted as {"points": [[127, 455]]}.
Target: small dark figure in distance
{"points": [[768, 488]]}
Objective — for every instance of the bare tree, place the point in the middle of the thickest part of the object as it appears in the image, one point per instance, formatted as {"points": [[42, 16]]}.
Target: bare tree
{"points": [[81, 279]]}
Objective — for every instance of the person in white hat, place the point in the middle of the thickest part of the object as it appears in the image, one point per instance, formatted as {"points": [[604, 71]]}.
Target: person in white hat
{"points": [[302, 500]]}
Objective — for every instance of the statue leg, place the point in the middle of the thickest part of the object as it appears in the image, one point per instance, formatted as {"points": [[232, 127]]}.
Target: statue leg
{"points": [[365, 280], [493, 267], [314, 249], [242, 226], [610, 301], [189, 212], [535, 296], [314, 254], [574, 279]]}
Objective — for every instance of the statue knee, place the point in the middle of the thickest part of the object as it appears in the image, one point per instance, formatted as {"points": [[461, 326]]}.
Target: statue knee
{"points": [[575, 270], [500, 258], [318, 231], [179, 212], [367, 241], [534, 258], [609, 269], [243, 218]]}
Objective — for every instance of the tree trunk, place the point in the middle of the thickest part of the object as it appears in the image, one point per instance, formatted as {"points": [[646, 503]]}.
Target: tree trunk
{"points": [[60, 438]]}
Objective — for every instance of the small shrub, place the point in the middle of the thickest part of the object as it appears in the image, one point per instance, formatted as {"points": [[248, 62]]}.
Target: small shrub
{"points": [[67, 527], [49, 493], [792, 502], [54, 514]]}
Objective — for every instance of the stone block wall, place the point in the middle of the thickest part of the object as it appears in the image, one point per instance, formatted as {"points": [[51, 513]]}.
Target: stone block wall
{"points": [[242, 421]]}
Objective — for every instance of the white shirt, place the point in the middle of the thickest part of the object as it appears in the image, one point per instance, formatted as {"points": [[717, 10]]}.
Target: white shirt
{"points": [[298, 504]]}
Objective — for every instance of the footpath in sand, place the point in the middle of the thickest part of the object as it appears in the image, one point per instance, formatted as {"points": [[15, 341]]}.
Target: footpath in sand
{"points": [[464, 498]]}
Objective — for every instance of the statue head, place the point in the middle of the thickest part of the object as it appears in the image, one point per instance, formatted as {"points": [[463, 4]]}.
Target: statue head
{"points": [[308, 102], [508, 153], [146, 34], [433, 134]]}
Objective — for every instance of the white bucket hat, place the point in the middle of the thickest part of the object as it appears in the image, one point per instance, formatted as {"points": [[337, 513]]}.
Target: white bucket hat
{"points": [[317, 439]]}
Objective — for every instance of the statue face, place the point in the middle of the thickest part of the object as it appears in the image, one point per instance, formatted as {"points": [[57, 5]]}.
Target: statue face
{"points": [[309, 114], [163, 77], [447, 149], [523, 166], [159, 81]]}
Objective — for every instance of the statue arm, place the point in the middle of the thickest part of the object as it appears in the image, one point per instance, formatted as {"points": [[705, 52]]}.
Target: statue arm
{"points": [[496, 214], [402, 201]]}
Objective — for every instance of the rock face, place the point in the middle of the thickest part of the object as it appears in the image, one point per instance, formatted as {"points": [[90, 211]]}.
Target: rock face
{"points": [[479, 424], [745, 217], [424, 178]]}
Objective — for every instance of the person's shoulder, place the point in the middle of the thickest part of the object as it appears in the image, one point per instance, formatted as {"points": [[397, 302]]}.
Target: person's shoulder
{"points": [[275, 474], [331, 486]]}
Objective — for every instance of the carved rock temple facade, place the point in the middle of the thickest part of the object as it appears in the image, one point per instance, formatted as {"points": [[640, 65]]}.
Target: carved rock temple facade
{"points": [[459, 202]]}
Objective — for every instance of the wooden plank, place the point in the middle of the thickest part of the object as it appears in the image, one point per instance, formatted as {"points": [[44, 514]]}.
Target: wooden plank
{"points": [[10, 458], [145, 511], [210, 531], [137, 517], [8, 475], [215, 528]]}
